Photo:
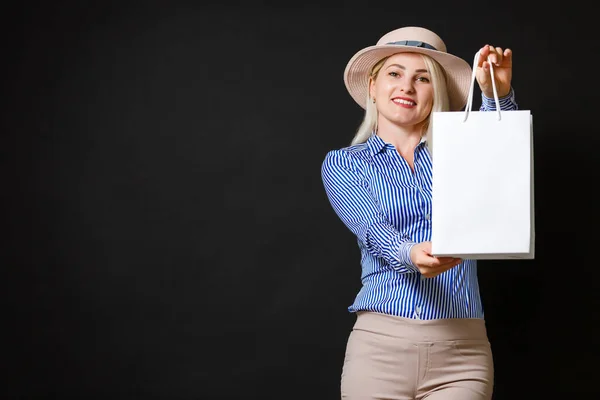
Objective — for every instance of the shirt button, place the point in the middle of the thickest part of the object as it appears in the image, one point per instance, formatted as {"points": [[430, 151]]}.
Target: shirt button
{"points": [[427, 217], [418, 309]]}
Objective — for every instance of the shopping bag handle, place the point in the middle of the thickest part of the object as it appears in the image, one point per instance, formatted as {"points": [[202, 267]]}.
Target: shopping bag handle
{"points": [[473, 78]]}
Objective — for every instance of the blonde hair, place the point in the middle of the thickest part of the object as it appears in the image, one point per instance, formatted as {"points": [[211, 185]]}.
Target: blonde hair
{"points": [[441, 102]]}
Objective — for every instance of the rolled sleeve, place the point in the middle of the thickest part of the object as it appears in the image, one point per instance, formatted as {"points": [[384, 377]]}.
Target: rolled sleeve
{"points": [[404, 255], [507, 103]]}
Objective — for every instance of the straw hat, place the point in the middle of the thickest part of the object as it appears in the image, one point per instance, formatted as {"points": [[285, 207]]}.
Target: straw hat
{"points": [[409, 39]]}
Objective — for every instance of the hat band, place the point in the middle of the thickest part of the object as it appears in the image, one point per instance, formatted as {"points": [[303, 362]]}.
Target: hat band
{"points": [[414, 43]]}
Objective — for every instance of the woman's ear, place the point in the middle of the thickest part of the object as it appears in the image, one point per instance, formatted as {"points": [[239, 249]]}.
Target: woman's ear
{"points": [[372, 88]]}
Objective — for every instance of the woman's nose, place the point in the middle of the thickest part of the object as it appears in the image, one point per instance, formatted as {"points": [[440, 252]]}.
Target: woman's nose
{"points": [[406, 85]]}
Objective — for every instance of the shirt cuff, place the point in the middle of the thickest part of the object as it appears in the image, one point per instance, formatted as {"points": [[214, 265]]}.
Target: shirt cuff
{"points": [[404, 255], [490, 103]]}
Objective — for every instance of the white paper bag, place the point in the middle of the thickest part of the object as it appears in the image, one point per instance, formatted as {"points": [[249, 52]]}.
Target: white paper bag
{"points": [[482, 195]]}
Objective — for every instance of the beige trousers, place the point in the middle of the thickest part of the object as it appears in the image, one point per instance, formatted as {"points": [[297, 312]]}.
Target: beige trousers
{"points": [[395, 358]]}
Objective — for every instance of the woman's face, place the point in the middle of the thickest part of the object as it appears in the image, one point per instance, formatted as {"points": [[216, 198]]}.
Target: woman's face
{"points": [[403, 90]]}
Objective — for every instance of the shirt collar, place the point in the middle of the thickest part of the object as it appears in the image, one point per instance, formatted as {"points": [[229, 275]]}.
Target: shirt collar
{"points": [[376, 144]]}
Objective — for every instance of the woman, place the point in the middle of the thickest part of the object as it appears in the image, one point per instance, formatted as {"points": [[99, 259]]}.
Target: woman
{"points": [[419, 329]]}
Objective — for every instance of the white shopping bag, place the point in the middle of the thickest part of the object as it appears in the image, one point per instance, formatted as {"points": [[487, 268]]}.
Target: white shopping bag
{"points": [[482, 195]]}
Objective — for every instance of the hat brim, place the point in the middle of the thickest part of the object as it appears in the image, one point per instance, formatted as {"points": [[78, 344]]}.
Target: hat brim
{"points": [[458, 72]]}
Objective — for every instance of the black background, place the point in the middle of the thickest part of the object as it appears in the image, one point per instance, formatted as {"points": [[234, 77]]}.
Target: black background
{"points": [[167, 233]]}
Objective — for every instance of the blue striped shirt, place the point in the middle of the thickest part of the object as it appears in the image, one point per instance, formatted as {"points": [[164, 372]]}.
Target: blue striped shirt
{"points": [[375, 193]]}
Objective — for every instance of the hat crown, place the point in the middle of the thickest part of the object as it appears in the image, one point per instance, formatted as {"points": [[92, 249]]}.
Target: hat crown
{"points": [[413, 33]]}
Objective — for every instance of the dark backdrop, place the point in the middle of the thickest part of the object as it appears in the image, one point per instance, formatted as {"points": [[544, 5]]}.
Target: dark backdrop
{"points": [[167, 235]]}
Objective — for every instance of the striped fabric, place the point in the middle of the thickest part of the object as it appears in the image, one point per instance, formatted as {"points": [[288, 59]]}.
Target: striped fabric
{"points": [[388, 207]]}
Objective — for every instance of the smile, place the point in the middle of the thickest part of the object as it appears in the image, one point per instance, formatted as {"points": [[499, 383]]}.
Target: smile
{"points": [[403, 101]]}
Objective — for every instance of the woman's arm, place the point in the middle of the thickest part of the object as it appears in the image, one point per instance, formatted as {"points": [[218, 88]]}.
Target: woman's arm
{"points": [[352, 201]]}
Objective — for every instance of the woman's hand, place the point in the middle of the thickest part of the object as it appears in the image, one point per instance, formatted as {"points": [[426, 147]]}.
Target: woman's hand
{"points": [[428, 265], [502, 63]]}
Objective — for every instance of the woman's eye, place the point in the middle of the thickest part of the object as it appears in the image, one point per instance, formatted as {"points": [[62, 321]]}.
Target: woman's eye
{"points": [[394, 74], [423, 79]]}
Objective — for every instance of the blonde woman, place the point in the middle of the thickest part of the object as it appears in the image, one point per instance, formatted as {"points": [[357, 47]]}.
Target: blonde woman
{"points": [[420, 329]]}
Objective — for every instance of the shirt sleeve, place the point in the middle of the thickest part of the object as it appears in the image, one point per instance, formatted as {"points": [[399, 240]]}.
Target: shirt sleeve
{"points": [[354, 204], [507, 103]]}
